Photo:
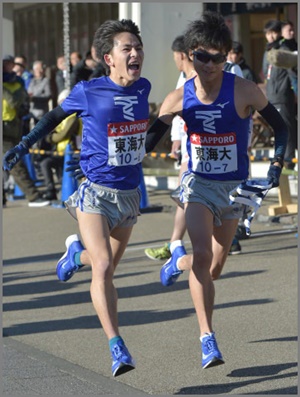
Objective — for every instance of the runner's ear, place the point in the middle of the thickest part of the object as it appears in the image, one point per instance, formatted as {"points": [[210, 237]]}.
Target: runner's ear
{"points": [[108, 59]]}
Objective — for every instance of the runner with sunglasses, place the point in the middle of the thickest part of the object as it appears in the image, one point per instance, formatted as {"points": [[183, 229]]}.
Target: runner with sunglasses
{"points": [[216, 107]]}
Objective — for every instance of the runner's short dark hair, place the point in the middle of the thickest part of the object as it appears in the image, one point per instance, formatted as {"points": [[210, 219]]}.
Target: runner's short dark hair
{"points": [[104, 36], [210, 31], [178, 45]]}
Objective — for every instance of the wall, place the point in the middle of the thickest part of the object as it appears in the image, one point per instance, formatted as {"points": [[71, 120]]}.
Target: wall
{"points": [[7, 30], [39, 28], [38, 32], [160, 24]]}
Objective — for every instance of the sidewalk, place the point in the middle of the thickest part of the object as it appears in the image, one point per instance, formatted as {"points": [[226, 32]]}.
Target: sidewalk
{"points": [[53, 343]]}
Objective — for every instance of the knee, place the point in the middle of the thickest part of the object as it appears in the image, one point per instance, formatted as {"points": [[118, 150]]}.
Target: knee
{"points": [[102, 270], [201, 262], [203, 256]]}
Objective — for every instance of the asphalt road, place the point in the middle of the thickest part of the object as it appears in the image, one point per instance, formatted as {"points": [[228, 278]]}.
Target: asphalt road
{"points": [[54, 344]]}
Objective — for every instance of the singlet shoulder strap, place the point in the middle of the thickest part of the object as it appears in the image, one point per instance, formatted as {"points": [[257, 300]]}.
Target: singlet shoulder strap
{"points": [[228, 66]]}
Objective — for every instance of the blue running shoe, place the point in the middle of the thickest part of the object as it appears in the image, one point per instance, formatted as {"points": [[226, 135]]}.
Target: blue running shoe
{"points": [[211, 355], [169, 273], [66, 266], [122, 361]]}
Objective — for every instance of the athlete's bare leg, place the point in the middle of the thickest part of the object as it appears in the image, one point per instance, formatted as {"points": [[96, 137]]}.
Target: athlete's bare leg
{"points": [[103, 253], [210, 249]]}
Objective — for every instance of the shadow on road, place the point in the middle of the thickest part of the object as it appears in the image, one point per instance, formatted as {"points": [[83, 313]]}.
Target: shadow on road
{"points": [[266, 373]]}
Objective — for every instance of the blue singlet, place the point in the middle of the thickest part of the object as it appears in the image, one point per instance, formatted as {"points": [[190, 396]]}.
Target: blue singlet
{"points": [[115, 121], [217, 137]]}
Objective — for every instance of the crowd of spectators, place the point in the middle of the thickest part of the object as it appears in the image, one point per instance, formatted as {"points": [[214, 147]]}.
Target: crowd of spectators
{"points": [[28, 94]]}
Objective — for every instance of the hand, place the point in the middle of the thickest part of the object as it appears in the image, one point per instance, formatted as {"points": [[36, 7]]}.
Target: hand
{"points": [[12, 156], [74, 167], [274, 175], [175, 150]]}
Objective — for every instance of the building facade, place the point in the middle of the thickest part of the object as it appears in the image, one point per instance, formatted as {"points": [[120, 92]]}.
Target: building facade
{"points": [[36, 30]]}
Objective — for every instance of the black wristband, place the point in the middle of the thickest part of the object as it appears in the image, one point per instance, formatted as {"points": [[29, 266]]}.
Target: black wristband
{"points": [[277, 159], [155, 133]]}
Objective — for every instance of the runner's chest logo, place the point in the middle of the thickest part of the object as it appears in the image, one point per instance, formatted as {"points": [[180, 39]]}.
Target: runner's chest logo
{"points": [[208, 118], [127, 103]]}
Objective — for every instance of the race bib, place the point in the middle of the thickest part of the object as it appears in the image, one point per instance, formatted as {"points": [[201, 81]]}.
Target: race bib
{"points": [[126, 142], [213, 153]]}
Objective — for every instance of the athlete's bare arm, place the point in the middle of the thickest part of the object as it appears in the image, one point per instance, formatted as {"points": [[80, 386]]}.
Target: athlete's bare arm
{"points": [[171, 106], [248, 96]]}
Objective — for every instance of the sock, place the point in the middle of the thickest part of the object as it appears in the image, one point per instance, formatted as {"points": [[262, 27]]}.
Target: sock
{"points": [[114, 340], [173, 246], [205, 335], [77, 259]]}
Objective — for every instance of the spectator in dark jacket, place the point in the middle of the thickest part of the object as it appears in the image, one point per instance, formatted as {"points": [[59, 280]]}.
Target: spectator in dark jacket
{"points": [[279, 89], [236, 55], [98, 70], [288, 34], [86, 69], [75, 57], [81, 71]]}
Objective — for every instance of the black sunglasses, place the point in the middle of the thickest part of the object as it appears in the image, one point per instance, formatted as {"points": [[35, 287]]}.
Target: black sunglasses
{"points": [[205, 57]]}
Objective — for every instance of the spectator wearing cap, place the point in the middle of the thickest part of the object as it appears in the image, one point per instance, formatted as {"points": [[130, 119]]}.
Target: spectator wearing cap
{"points": [[15, 101], [10, 64]]}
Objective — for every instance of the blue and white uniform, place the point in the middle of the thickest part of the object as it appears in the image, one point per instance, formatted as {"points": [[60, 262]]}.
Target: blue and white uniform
{"points": [[217, 136], [217, 147], [115, 121]]}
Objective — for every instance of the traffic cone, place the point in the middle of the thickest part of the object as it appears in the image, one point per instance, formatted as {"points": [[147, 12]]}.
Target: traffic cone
{"points": [[69, 182], [18, 193], [144, 203], [145, 207]]}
